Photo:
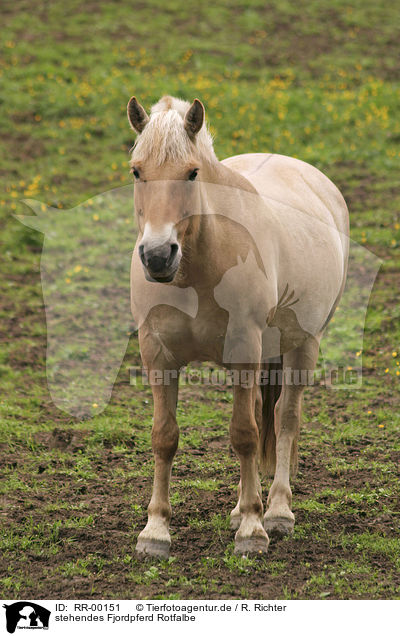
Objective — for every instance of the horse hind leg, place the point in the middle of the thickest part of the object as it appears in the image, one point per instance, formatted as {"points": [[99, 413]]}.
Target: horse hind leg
{"points": [[279, 518]]}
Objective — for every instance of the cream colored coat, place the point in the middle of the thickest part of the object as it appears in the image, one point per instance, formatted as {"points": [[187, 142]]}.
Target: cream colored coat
{"points": [[288, 225]]}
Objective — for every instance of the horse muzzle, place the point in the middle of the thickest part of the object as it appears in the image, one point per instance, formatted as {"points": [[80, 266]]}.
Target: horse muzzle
{"points": [[160, 263]]}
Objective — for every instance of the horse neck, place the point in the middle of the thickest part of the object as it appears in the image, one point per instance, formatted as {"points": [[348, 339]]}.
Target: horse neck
{"points": [[207, 246], [219, 174]]}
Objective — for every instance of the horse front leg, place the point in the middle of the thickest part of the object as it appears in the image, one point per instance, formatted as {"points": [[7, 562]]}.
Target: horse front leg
{"points": [[155, 539], [235, 516], [250, 536], [279, 518]]}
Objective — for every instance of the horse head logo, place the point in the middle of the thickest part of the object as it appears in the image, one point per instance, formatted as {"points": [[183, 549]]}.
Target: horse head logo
{"points": [[85, 273], [27, 615]]}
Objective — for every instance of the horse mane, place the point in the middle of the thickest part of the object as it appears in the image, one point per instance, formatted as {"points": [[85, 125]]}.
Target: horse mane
{"points": [[165, 139]]}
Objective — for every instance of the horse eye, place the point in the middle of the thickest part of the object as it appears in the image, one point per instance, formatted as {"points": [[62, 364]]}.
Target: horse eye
{"points": [[193, 174], [135, 173]]}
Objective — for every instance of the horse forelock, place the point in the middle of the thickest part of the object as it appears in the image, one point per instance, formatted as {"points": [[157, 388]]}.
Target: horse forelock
{"points": [[164, 139]]}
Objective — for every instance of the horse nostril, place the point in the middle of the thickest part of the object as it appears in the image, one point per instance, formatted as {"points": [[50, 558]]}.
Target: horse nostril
{"points": [[141, 254], [174, 251]]}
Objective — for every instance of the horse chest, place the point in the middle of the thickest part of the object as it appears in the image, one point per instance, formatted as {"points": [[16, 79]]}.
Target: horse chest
{"points": [[182, 337], [208, 332], [202, 338]]}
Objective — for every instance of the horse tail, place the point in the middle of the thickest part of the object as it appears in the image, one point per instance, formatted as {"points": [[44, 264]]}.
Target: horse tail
{"points": [[270, 393]]}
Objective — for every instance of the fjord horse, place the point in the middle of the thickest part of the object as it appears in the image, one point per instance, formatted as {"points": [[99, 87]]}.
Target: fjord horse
{"points": [[240, 262]]}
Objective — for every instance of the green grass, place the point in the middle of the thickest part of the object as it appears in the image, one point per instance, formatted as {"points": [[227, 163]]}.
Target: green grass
{"points": [[315, 80]]}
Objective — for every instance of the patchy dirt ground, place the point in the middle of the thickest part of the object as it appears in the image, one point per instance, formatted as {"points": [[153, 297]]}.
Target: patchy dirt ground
{"points": [[78, 502]]}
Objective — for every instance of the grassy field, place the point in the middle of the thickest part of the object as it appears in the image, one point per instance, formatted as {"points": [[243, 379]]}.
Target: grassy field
{"points": [[316, 80]]}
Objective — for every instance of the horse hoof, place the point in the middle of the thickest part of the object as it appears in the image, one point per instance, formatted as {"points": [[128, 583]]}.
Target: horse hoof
{"points": [[279, 527], [153, 548], [251, 545], [235, 522]]}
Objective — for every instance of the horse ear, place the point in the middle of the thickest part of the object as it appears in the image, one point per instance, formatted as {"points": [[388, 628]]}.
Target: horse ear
{"points": [[137, 115], [194, 118]]}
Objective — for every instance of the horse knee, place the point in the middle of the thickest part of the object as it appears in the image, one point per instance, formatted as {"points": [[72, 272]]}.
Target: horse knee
{"points": [[244, 436], [165, 437]]}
